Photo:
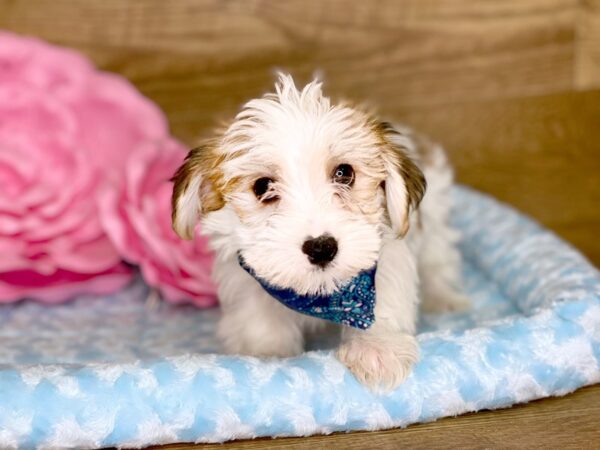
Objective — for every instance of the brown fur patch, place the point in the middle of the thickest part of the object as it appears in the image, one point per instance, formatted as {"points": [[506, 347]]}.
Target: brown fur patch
{"points": [[204, 162], [414, 179], [232, 185]]}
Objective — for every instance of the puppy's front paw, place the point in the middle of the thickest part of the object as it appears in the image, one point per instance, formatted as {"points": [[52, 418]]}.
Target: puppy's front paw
{"points": [[381, 363]]}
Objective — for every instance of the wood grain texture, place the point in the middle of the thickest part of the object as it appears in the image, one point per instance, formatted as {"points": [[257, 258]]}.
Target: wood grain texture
{"points": [[569, 422], [587, 55], [540, 154], [199, 59]]}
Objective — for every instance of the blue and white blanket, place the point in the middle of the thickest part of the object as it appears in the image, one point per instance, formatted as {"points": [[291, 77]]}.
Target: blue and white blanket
{"points": [[130, 371]]}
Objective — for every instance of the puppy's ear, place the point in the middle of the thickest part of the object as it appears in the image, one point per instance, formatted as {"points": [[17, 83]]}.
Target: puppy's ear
{"points": [[405, 183], [195, 190]]}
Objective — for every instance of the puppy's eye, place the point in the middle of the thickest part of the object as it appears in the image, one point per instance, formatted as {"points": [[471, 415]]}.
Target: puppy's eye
{"points": [[261, 189], [343, 174]]}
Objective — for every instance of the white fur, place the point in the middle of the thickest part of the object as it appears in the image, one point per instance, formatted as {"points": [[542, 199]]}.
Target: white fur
{"points": [[188, 206], [294, 136]]}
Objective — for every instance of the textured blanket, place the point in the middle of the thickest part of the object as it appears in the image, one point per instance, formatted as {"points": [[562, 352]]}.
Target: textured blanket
{"points": [[130, 371]]}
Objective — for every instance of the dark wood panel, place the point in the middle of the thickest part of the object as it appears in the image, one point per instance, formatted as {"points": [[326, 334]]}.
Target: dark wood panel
{"points": [[540, 154]]}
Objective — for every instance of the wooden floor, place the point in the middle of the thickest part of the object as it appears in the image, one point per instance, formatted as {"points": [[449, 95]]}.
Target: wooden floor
{"points": [[571, 422]]}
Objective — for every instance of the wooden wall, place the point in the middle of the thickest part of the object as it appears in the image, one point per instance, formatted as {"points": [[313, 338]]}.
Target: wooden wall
{"points": [[510, 87]]}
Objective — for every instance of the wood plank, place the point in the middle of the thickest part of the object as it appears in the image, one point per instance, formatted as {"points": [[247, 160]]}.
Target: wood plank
{"points": [[569, 422], [406, 52], [540, 154], [587, 52]]}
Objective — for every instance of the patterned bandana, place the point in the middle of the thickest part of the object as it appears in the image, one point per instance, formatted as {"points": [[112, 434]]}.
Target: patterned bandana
{"points": [[353, 304]]}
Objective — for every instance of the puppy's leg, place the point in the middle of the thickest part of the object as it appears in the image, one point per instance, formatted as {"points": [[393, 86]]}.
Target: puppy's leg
{"points": [[254, 323], [382, 356], [439, 258]]}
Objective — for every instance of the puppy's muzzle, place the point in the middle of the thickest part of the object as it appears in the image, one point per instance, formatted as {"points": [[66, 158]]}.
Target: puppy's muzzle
{"points": [[320, 250]]}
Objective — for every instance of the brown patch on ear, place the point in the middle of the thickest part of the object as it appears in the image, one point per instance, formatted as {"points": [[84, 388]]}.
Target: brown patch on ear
{"points": [[413, 177], [414, 180], [200, 171]]}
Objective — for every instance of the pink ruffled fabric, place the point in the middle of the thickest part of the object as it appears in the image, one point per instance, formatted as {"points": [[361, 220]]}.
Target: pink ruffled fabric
{"points": [[67, 133], [137, 217]]}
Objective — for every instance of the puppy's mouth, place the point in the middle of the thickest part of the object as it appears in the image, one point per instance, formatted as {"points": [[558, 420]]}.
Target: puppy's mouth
{"points": [[322, 288]]}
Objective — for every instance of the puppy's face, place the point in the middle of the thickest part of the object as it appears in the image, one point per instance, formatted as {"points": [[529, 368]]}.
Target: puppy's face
{"points": [[305, 189]]}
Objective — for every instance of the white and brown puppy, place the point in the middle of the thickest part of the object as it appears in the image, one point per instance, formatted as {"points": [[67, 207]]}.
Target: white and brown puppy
{"points": [[293, 167]]}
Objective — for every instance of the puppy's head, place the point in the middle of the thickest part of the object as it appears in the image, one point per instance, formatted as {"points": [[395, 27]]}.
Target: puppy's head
{"points": [[303, 189]]}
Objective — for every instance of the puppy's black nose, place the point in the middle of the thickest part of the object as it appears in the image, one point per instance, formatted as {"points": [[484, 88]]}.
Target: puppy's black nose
{"points": [[320, 250]]}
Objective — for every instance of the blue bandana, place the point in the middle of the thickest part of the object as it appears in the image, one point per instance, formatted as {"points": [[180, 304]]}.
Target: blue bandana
{"points": [[353, 304]]}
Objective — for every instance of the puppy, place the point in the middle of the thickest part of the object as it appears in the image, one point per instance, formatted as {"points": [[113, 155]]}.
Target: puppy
{"points": [[309, 194]]}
